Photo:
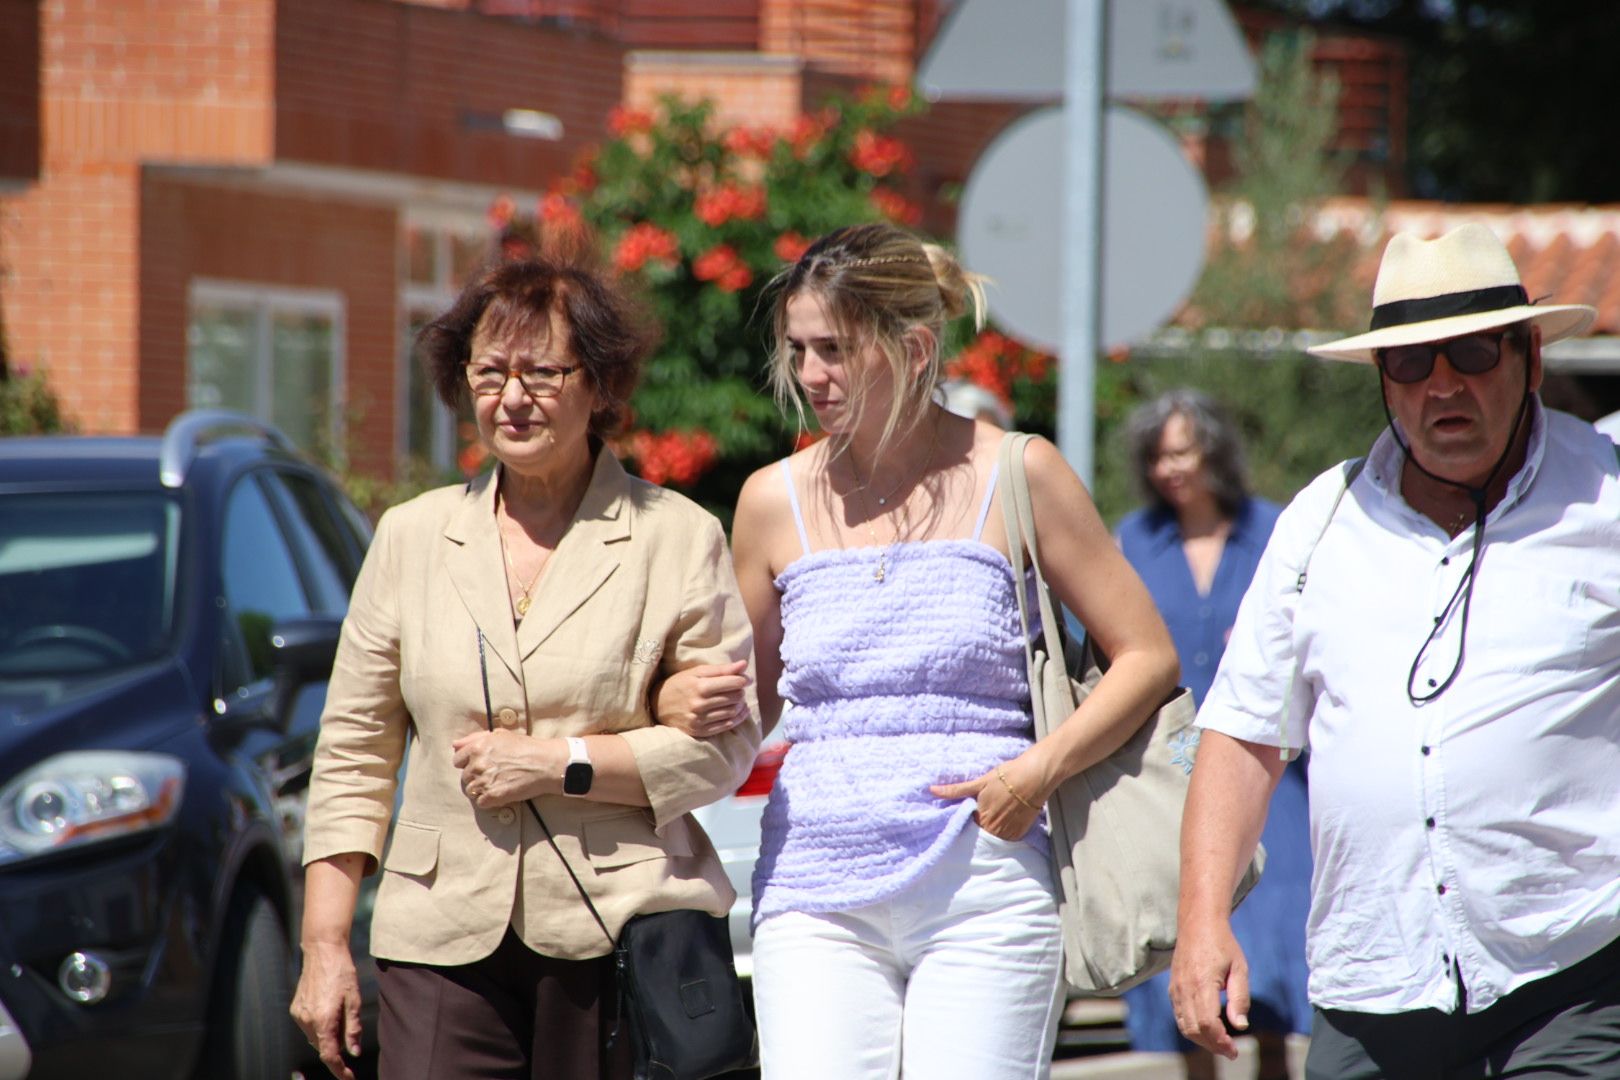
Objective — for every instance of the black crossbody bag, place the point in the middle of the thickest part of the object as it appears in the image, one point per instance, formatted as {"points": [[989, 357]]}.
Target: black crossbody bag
{"points": [[679, 1000]]}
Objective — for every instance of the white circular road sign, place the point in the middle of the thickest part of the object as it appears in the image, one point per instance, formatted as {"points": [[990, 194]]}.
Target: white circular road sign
{"points": [[1154, 214]]}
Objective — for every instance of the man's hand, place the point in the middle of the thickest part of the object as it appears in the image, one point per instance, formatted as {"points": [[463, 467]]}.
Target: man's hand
{"points": [[326, 1006], [1208, 960]]}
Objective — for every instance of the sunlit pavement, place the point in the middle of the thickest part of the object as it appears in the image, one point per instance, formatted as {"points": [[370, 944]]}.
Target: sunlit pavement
{"points": [[1143, 1066]]}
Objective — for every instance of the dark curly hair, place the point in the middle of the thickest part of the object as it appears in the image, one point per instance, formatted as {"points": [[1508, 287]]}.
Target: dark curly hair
{"points": [[1213, 431], [608, 335]]}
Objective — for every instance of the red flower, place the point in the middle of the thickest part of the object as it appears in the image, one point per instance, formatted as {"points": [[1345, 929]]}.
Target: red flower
{"points": [[623, 121], [720, 205], [500, 212], [750, 142], [995, 361], [805, 133], [722, 265], [899, 97], [790, 245], [879, 155], [645, 242], [556, 209], [584, 172], [678, 457], [896, 207]]}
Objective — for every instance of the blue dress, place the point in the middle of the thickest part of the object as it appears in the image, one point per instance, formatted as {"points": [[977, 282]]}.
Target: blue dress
{"points": [[1270, 926]]}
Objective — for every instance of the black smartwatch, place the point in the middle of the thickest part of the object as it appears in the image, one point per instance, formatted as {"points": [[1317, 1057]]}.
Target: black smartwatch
{"points": [[577, 776]]}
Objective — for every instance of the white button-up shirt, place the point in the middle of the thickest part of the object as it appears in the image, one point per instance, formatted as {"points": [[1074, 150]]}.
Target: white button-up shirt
{"points": [[1477, 835]]}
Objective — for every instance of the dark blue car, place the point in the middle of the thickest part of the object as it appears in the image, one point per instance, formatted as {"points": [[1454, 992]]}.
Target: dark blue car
{"points": [[169, 609]]}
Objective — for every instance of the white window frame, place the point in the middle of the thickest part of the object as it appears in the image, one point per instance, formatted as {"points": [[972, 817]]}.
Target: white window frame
{"points": [[431, 299], [265, 302]]}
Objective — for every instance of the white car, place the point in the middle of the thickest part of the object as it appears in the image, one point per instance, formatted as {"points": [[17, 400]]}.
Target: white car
{"points": [[733, 826]]}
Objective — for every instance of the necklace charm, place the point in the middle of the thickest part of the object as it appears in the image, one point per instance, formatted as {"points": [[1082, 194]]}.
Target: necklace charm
{"points": [[522, 606], [882, 567]]}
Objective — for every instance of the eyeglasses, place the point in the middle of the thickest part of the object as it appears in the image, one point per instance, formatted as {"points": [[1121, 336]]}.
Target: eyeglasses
{"points": [[1474, 354], [544, 381]]}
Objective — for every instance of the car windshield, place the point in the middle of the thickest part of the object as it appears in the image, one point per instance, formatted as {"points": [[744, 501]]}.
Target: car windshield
{"points": [[87, 581]]}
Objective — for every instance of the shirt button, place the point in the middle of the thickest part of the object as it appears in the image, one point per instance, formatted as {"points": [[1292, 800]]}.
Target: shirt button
{"points": [[1441, 889], [1432, 682], [507, 717], [506, 815], [1446, 561], [1201, 659], [1425, 751], [1429, 822]]}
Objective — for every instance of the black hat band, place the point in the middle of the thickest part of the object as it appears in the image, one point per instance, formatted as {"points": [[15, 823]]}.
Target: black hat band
{"points": [[1446, 305]]}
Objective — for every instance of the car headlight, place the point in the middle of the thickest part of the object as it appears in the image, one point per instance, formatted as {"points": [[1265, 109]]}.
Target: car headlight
{"points": [[82, 797]]}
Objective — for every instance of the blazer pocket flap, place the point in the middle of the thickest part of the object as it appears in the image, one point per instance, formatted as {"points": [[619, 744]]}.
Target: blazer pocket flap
{"points": [[414, 849], [629, 838]]}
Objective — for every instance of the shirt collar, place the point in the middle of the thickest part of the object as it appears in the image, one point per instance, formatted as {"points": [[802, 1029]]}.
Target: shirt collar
{"points": [[1385, 459]]}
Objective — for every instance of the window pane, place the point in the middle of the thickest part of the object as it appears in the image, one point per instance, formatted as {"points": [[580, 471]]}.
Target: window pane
{"points": [[468, 253], [219, 357], [419, 256], [324, 550], [261, 581], [421, 403], [301, 377]]}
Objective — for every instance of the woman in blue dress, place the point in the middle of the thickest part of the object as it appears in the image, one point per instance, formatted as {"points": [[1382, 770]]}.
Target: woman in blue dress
{"points": [[1196, 545]]}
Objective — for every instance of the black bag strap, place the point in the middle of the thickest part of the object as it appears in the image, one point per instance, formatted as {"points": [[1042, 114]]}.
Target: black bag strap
{"points": [[489, 722]]}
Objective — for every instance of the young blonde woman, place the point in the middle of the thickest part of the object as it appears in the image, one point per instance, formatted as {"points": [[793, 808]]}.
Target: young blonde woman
{"points": [[905, 918]]}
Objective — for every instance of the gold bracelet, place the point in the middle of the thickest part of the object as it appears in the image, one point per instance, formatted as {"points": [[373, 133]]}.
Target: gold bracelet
{"points": [[1004, 783]]}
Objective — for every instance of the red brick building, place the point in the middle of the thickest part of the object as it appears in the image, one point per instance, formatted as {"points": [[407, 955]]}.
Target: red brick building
{"points": [[253, 203]]}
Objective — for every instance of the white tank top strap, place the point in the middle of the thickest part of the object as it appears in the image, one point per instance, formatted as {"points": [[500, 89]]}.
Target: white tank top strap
{"points": [[793, 501], [989, 493]]}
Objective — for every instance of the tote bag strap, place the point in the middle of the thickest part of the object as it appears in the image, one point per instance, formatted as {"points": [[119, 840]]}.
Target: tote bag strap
{"points": [[1019, 518]]}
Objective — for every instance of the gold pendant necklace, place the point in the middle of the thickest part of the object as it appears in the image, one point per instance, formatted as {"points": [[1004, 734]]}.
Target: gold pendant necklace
{"points": [[522, 602], [882, 569]]}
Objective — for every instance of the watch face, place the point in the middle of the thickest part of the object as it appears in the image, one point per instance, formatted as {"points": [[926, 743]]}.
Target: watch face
{"points": [[577, 778]]}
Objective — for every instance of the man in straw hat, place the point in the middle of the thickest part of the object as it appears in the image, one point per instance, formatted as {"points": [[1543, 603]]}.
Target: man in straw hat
{"points": [[1440, 626]]}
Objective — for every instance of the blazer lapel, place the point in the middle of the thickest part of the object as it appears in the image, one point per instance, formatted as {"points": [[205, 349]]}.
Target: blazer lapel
{"points": [[586, 556], [477, 568]]}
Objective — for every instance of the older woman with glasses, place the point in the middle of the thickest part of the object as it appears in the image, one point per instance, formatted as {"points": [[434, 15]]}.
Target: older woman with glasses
{"points": [[504, 640], [1196, 545]]}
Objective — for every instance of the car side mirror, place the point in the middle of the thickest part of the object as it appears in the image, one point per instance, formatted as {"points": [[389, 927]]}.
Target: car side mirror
{"points": [[302, 650]]}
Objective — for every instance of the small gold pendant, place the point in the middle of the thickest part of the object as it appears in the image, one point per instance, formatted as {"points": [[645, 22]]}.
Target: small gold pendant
{"points": [[522, 606], [882, 569]]}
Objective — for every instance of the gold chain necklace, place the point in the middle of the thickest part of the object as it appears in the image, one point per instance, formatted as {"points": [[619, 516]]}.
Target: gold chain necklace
{"points": [[523, 600], [882, 569]]}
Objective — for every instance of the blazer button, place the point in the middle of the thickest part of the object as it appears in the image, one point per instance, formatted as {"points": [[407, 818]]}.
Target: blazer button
{"points": [[506, 815], [507, 717]]}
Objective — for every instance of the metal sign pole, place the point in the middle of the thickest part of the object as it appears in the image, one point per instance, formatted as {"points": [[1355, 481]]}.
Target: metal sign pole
{"points": [[1082, 230]]}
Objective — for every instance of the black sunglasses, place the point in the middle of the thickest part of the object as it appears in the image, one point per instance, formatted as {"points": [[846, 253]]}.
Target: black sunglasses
{"points": [[1474, 354]]}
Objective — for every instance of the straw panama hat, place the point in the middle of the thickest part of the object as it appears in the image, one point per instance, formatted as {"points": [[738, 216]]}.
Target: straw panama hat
{"points": [[1461, 283]]}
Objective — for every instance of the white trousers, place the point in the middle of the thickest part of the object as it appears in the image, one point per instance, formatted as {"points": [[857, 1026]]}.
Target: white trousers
{"points": [[957, 977]]}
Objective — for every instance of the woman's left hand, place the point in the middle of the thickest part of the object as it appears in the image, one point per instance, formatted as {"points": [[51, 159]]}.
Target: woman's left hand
{"points": [[1001, 812], [503, 767]]}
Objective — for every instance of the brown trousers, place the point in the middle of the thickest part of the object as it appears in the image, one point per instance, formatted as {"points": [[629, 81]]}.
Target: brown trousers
{"points": [[514, 1015]]}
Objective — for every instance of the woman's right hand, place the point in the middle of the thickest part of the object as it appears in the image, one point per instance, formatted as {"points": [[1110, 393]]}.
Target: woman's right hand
{"points": [[326, 1005], [703, 700]]}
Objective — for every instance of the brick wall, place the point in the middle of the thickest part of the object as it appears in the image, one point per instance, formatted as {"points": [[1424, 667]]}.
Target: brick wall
{"points": [[177, 80], [69, 291], [19, 90], [869, 39], [747, 88], [197, 229], [375, 84]]}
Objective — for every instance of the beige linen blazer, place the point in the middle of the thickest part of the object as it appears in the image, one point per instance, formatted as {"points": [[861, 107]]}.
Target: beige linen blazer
{"points": [[640, 584]]}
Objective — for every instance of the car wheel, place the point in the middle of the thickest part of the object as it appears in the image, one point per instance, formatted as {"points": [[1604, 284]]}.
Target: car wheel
{"points": [[250, 1035]]}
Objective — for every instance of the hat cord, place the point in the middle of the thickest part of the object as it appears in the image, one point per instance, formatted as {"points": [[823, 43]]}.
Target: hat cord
{"points": [[1465, 586]]}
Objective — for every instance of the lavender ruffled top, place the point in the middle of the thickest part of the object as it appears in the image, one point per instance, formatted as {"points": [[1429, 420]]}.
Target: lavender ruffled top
{"points": [[896, 684]]}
